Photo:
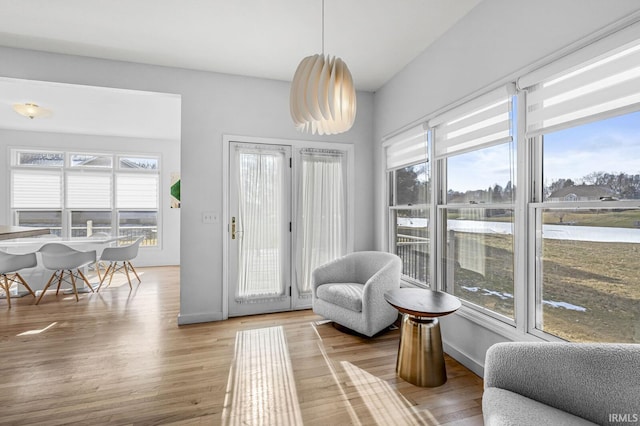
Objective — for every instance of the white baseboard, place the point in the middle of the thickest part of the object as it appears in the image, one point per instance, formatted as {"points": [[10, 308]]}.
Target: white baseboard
{"points": [[472, 364], [184, 319]]}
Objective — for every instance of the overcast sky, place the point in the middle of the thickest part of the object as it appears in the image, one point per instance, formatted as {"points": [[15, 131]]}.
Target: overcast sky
{"points": [[480, 169], [611, 145]]}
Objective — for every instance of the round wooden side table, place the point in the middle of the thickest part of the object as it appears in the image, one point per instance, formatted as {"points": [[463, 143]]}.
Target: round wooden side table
{"points": [[420, 355]]}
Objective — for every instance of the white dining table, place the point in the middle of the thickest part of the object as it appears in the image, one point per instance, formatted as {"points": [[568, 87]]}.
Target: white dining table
{"points": [[11, 232], [38, 276]]}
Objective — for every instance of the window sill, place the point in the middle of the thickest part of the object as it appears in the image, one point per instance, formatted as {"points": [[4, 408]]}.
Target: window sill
{"points": [[412, 284], [494, 325]]}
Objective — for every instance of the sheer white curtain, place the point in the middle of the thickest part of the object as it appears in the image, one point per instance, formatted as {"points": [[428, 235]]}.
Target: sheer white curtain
{"points": [[322, 218], [260, 192], [470, 245]]}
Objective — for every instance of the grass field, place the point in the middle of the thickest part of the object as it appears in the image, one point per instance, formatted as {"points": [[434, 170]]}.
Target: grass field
{"points": [[620, 218], [604, 218], [602, 278], [496, 277]]}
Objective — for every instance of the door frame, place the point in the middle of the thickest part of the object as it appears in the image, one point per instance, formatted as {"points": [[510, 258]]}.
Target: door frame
{"points": [[296, 146]]}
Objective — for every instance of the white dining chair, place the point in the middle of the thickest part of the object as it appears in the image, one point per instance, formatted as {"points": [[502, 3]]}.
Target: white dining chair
{"points": [[63, 259], [124, 255], [10, 264], [98, 266]]}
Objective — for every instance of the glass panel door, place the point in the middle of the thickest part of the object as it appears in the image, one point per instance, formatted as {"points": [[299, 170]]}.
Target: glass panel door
{"points": [[259, 251], [321, 231]]}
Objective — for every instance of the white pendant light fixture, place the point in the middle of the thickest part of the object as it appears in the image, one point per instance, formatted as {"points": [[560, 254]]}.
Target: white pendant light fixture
{"points": [[31, 110], [323, 98]]}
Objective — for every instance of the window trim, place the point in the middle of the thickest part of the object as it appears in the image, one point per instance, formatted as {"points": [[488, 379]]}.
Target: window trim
{"points": [[400, 138], [119, 156], [391, 199], [15, 155], [392, 236], [441, 203], [536, 203], [66, 168]]}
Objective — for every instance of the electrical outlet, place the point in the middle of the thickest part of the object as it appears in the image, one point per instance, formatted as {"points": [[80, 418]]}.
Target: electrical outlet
{"points": [[209, 217]]}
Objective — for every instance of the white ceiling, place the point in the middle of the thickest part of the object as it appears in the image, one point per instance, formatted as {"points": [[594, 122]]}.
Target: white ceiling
{"points": [[259, 38], [91, 110]]}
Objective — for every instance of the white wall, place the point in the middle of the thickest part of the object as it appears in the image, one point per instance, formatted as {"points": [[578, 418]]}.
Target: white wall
{"points": [[168, 253], [212, 105], [495, 40]]}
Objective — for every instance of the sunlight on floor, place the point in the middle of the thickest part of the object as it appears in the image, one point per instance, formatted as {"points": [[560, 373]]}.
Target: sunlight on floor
{"points": [[334, 373], [30, 332], [118, 280], [387, 406], [261, 388]]}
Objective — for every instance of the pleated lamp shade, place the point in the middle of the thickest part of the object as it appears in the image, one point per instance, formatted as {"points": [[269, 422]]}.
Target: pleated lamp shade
{"points": [[323, 98]]}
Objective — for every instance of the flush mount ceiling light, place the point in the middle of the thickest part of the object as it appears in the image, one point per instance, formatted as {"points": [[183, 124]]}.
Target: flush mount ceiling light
{"points": [[323, 98], [31, 110]]}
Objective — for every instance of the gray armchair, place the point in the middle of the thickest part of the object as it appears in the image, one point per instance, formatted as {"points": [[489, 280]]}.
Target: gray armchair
{"points": [[561, 384], [350, 290]]}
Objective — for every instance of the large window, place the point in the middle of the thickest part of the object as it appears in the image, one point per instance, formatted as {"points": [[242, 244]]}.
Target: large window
{"points": [[583, 121], [476, 151], [81, 194], [409, 192], [558, 256], [411, 220], [589, 234]]}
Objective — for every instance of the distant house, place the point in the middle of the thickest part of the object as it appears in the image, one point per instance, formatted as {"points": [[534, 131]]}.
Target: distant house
{"points": [[105, 161], [471, 197], [581, 193]]}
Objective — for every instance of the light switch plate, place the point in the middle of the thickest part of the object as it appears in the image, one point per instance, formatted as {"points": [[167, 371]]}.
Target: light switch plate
{"points": [[209, 217]]}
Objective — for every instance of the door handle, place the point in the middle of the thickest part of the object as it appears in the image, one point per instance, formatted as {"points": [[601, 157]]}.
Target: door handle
{"points": [[233, 228]]}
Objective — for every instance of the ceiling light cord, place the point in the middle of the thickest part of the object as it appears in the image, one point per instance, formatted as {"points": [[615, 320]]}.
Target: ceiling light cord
{"points": [[322, 27], [322, 99]]}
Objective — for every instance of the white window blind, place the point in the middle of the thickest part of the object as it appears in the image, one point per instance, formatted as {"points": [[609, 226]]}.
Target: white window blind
{"points": [[408, 147], [580, 89], [88, 191], [481, 122], [136, 191], [36, 190]]}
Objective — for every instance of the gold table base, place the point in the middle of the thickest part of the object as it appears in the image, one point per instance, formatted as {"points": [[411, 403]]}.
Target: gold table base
{"points": [[420, 355]]}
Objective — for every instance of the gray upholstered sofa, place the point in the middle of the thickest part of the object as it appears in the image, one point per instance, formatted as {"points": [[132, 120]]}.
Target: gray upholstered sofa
{"points": [[350, 290], [562, 384]]}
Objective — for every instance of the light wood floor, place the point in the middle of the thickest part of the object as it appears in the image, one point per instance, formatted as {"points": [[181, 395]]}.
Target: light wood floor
{"points": [[118, 357]]}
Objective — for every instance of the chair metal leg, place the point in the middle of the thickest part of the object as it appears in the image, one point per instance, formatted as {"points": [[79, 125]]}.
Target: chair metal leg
{"points": [[113, 270], [106, 273], [5, 285], [86, 281], [44, 290], [126, 271], [59, 280], [24, 283], [97, 266], [134, 271], [126, 267], [73, 284]]}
